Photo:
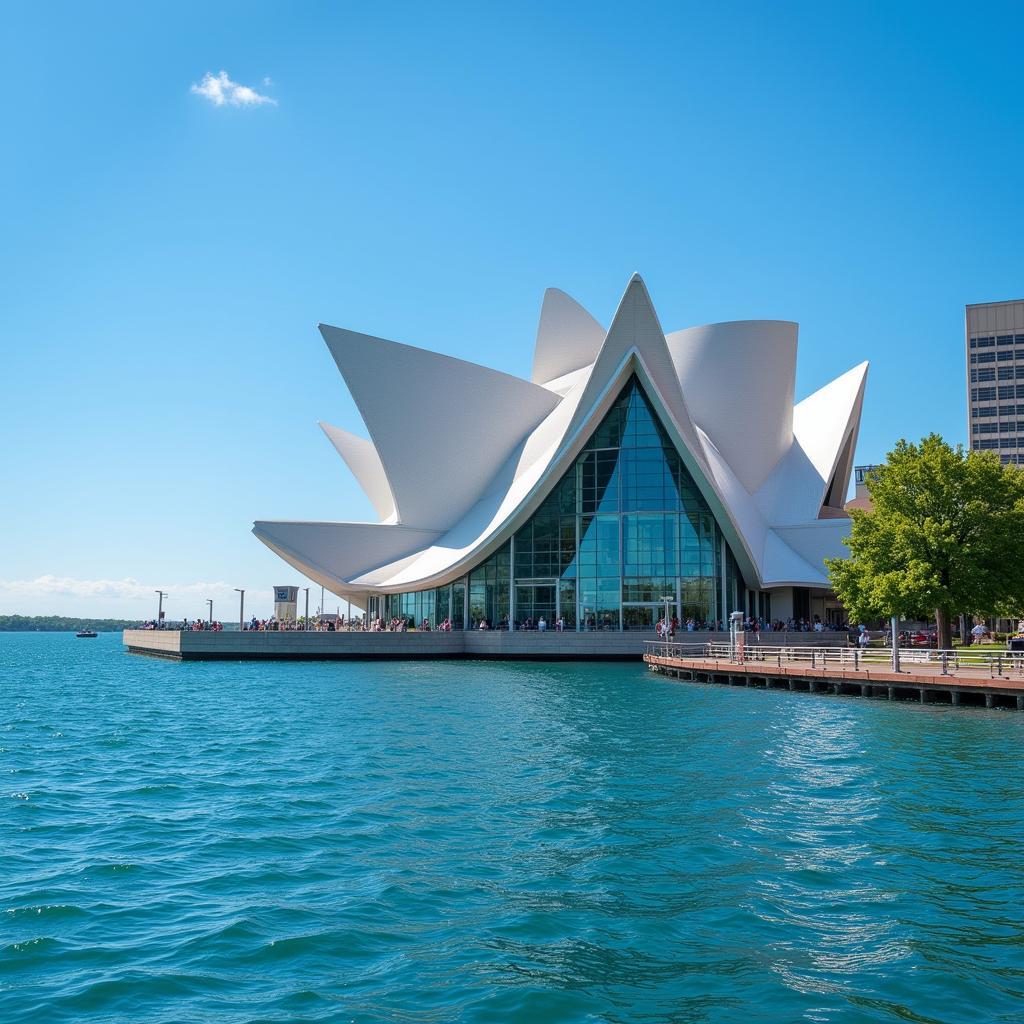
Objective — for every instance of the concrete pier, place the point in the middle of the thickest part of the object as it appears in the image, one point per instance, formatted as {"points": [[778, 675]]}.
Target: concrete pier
{"points": [[599, 645]]}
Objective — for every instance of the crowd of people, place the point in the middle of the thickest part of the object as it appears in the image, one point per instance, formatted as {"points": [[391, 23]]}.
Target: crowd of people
{"points": [[399, 624], [750, 624], [403, 625], [325, 625], [184, 625]]}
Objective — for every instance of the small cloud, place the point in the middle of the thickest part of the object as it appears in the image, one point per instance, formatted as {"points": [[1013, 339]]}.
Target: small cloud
{"points": [[126, 589], [220, 90]]}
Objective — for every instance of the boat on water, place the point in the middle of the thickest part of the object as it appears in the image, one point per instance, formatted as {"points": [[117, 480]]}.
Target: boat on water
{"points": [[90, 633]]}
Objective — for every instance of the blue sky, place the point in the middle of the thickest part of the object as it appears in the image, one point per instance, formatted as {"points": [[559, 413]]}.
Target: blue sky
{"points": [[423, 173]]}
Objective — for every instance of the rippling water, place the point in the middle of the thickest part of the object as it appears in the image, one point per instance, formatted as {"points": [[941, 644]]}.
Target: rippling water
{"points": [[494, 842]]}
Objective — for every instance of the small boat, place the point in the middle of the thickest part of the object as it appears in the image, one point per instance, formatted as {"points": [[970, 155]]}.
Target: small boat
{"points": [[90, 633]]}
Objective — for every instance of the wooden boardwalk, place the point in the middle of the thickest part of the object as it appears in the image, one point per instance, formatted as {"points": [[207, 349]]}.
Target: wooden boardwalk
{"points": [[915, 681]]}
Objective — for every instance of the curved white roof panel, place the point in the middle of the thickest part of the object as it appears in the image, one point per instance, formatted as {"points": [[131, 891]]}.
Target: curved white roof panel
{"points": [[773, 474], [406, 393], [568, 338], [751, 364], [362, 458]]}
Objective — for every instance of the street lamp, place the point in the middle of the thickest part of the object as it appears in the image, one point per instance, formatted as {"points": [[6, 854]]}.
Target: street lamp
{"points": [[241, 608], [305, 621], [894, 628], [668, 598], [209, 601], [160, 609]]}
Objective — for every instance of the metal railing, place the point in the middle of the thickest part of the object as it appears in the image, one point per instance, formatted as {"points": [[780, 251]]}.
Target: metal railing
{"points": [[994, 663]]}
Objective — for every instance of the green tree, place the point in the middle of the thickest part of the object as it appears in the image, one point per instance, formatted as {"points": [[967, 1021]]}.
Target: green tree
{"points": [[61, 624], [946, 535]]}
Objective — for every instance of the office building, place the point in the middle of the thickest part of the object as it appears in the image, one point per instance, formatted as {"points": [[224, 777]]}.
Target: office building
{"points": [[995, 378]]}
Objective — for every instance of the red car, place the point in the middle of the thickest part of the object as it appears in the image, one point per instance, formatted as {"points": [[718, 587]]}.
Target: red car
{"points": [[920, 639]]}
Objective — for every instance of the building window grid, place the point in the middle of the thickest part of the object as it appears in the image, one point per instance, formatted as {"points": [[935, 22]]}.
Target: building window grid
{"points": [[625, 527]]}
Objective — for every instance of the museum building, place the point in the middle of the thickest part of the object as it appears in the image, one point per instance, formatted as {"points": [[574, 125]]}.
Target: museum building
{"points": [[635, 473]]}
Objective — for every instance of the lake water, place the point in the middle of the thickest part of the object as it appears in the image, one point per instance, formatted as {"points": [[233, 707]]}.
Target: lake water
{"points": [[494, 842]]}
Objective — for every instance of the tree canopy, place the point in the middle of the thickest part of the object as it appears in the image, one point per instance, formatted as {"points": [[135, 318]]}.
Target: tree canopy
{"points": [[945, 536], [60, 623]]}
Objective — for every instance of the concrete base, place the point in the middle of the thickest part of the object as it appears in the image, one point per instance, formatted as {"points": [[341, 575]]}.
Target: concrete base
{"points": [[526, 646], [234, 646]]}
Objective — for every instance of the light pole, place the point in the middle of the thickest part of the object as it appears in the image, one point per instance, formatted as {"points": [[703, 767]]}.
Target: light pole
{"points": [[667, 598], [736, 642], [209, 601], [241, 608], [160, 609], [305, 621]]}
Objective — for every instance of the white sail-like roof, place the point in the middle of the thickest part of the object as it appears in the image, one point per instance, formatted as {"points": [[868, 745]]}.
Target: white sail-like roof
{"points": [[407, 395], [568, 338], [363, 459], [751, 364], [774, 474]]}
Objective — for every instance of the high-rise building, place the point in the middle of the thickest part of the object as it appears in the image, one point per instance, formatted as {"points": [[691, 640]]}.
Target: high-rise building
{"points": [[995, 378], [861, 498]]}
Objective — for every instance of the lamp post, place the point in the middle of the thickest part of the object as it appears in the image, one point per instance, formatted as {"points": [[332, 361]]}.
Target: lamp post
{"points": [[209, 621], [667, 598], [305, 621], [241, 608], [736, 642], [160, 609]]}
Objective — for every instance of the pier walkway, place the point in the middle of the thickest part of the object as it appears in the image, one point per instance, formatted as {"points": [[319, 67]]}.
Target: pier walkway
{"points": [[532, 645], [983, 678]]}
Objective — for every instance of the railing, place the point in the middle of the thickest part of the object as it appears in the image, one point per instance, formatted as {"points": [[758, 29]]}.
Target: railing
{"points": [[995, 663]]}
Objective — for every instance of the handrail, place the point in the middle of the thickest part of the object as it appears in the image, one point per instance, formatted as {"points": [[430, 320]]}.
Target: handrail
{"points": [[957, 659]]}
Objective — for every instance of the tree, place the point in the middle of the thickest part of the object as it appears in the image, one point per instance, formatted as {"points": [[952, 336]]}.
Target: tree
{"points": [[946, 535], [62, 624]]}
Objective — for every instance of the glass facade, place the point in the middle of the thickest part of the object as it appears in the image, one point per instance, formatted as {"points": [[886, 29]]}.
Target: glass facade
{"points": [[625, 530]]}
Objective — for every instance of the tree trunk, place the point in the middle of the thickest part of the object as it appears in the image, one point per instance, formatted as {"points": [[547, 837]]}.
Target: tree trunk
{"points": [[942, 627], [965, 631]]}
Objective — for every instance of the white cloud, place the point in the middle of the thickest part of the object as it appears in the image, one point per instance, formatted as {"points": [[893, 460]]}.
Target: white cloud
{"points": [[131, 599], [127, 598], [220, 90], [130, 589]]}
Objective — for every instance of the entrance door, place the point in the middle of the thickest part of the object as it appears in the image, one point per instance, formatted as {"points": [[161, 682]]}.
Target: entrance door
{"points": [[535, 601], [641, 616]]}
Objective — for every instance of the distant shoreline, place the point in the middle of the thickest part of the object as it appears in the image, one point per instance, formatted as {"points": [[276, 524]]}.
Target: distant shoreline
{"points": [[62, 624]]}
